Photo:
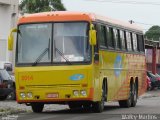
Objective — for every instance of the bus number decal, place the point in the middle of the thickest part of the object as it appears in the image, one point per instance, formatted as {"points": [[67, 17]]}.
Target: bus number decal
{"points": [[27, 77]]}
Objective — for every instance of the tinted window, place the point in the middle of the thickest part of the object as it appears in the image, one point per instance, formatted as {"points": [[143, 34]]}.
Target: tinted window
{"points": [[134, 42], [122, 39], [117, 38], [131, 40], [102, 35], [128, 37], [140, 43], [110, 37]]}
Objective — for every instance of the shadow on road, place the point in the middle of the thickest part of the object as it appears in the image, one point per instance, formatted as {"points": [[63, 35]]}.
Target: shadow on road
{"points": [[80, 110]]}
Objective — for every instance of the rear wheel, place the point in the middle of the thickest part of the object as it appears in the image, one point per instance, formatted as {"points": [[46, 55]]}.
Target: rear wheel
{"points": [[98, 107], [127, 103], [134, 95], [37, 107]]}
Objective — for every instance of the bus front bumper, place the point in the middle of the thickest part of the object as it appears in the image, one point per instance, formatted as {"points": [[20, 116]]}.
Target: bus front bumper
{"points": [[57, 96]]}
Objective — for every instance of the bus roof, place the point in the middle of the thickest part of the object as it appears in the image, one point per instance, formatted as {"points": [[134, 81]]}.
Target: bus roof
{"points": [[54, 16], [74, 16], [119, 23]]}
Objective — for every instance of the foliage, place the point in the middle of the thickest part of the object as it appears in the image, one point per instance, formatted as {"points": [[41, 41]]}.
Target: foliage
{"points": [[153, 33], [35, 6]]}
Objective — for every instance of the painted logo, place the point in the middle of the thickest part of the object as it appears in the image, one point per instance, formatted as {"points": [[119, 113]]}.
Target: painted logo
{"points": [[76, 77], [118, 65]]}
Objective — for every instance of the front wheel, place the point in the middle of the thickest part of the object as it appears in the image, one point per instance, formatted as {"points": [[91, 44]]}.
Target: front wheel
{"points": [[37, 107], [98, 106], [74, 105]]}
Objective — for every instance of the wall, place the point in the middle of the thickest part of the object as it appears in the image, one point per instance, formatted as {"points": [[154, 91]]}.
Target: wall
{"points": [[149, 60], [8, 19]]}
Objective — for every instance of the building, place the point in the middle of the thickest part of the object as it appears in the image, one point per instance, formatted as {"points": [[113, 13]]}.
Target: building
{"points": [[8, 20], [149, 55]]}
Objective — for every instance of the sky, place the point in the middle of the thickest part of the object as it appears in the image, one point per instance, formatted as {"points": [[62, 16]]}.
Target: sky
{"points": [[145, 13]]}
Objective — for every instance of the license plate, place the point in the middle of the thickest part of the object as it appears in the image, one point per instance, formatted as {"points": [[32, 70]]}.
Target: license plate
{"points": [[52, 95]]}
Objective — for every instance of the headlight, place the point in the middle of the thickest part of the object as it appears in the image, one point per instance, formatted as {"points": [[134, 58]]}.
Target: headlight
{"points": [[29, 95], [83, 93], [75, 92], [23, 95]]}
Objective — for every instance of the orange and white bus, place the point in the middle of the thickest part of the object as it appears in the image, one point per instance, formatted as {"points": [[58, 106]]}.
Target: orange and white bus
{"points": [[79, 59]]}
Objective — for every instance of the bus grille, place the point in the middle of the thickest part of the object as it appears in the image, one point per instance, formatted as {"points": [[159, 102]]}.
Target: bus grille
{"points": [[53, 86]]}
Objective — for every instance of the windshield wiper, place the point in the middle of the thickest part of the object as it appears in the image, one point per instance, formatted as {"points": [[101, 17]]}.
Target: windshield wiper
{"points": [[42, 54], [63, 56]]}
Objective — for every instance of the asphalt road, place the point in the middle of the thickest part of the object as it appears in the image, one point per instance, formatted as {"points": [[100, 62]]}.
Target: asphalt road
{"points": [[148, 108]]}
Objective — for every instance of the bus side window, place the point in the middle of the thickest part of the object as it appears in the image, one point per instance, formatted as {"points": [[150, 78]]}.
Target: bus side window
{"points": [[128, 38], [140, 41], [110, 37], [122, 39], [135, 47], [131, 41], [102, 36], [117, 39]]}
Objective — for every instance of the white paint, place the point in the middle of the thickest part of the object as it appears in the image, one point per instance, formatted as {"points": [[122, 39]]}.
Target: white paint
{"points": [[8, 19]]}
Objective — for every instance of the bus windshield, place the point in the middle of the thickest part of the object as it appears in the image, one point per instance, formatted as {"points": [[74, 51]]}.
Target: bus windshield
{"points": [[62, 42]]}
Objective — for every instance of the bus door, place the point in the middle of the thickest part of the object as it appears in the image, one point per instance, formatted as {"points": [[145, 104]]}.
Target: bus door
{"points": [[96, 65]]}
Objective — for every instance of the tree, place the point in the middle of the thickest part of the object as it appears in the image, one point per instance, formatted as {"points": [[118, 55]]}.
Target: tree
{"points": [[35, 6], [153, 33]]}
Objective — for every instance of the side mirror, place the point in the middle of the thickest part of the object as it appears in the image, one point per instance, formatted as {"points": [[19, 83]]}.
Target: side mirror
{"points": [[92, 35], [10, 39]]}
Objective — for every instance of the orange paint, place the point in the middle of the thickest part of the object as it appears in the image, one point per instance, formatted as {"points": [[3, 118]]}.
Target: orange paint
{"points": [[55, 16]]}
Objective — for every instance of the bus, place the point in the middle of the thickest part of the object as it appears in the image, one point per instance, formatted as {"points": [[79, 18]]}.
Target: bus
{"points": [[79, 59]]}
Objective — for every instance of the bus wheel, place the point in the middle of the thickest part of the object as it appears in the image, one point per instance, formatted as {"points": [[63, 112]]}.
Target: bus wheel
{"points": [[37, 107], [87, 106], [74, 105], [127, 103], [98, 107], [134, 95]]}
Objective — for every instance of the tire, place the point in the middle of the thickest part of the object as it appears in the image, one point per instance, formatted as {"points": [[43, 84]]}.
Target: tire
{"points": [[37, 107], [98, 106], [127, 103], [134, 95], [3, 98], [87, 106], [74, 105]]}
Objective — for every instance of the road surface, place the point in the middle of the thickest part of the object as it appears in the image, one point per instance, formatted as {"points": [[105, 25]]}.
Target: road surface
{"points": [[148, 108]]}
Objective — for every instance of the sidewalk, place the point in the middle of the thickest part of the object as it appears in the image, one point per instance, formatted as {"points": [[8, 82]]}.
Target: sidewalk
{"points": [[149, 94]]}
